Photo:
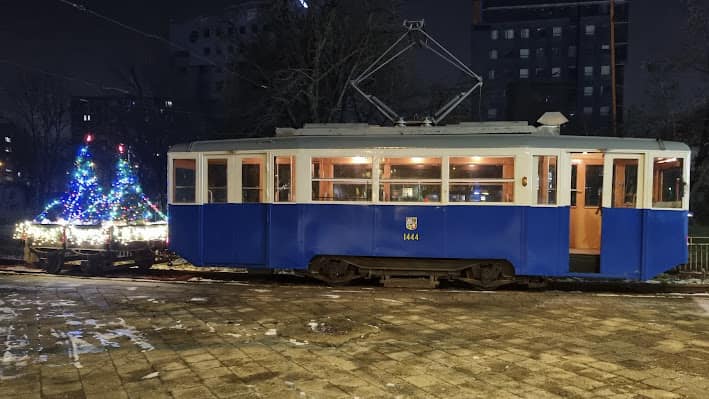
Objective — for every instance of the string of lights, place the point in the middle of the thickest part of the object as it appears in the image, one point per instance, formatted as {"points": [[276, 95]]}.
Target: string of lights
{"points": [[84, 215]]}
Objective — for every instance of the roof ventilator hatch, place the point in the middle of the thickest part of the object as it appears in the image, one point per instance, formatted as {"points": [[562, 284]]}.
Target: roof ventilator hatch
{"points": [[416, 35]]}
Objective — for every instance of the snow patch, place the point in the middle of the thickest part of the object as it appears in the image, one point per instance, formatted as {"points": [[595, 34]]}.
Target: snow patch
{"points": [[198, 299], [151, 375], [389, 300], [331, 296], [297, 343], [271, 332], [314, 325], [704, 304]]}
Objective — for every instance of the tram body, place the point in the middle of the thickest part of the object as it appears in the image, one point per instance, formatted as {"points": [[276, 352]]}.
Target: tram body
{"points": [[545, 205]]}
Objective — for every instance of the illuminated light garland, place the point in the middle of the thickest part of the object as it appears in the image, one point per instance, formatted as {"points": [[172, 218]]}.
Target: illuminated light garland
{"points": [[84, 201], [85, 217], [126, 202]]}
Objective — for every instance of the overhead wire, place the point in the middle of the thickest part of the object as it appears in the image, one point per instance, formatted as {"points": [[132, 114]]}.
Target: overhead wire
{"points": [[83, 8]]}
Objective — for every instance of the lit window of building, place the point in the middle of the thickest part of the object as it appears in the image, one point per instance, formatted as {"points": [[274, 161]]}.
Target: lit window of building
{"points": [[493, 54], [590, 30], [493, 34], [8, 140], [524, 53], [556, 31], [524, 33], [588, 71], [87, 117], [604, 110], [588, 91], [509, 34], [540, 52], [555, 72], [168, 103], [523, 73], [605, 69]]}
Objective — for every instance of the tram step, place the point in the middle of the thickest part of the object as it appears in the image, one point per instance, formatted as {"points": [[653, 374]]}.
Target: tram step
{"points": [[410, 283]]}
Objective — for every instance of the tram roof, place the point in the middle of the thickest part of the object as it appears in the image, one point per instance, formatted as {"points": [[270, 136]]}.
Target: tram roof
{"points": [[514, 135]]}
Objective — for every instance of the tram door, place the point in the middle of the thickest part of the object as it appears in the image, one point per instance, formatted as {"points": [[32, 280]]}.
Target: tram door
{"points": [[585, 213]]}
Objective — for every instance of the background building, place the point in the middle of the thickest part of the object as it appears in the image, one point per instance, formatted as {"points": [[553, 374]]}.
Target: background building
{"points": [[211, 47], [551, 55]]}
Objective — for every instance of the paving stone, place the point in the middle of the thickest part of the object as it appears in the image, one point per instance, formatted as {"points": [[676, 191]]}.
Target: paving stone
{"points": [[377, 342]]}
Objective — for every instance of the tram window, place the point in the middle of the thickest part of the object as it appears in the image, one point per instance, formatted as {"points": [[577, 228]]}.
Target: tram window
{"points": [[574, 188], [546, 179], [184, 178], [410, 179], [284, 179], [342, 179], [252, 179], [625, 183], [594, 185], [667, 183], [216, 180], [481, 179]]}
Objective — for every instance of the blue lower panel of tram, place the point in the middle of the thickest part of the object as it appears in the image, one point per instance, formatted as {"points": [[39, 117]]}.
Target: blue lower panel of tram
{"points": [[635, 243]]}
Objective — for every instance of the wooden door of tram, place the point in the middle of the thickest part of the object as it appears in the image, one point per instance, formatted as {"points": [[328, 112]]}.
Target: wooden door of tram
{"points": [[586, 201]]}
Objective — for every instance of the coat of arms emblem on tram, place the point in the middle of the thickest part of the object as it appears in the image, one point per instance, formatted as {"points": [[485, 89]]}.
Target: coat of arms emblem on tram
{"points": [[411, 222]]}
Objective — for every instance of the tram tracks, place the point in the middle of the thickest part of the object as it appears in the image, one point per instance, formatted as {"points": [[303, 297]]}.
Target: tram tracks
{"points": [[191, 276]]}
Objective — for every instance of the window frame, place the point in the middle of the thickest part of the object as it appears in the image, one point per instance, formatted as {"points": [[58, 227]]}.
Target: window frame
{"points": [[381, 181], [205, 177], [172, 157], [338, 154], [448, 181]]}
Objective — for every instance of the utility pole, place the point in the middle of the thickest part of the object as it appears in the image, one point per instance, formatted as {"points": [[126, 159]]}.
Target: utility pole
{"points": [[613, 85]]}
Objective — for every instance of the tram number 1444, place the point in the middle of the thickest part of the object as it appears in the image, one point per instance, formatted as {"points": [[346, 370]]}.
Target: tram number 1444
{"points": [[411, 236]]}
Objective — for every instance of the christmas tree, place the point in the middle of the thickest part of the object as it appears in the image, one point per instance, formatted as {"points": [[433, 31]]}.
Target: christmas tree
{"points": [[126, 202], [83, 202]]}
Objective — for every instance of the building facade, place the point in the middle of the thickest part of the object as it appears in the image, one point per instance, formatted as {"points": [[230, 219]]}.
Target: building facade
{"points": [[552, 55], [211, 46]]}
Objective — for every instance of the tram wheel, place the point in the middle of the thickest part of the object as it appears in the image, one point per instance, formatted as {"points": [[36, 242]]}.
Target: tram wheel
{"points": [[95, 265], [333, 271], [53, 262], [144, 259]]}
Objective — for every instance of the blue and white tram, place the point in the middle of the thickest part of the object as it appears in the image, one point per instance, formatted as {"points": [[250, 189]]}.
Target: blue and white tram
{"points": [[481, 202]]}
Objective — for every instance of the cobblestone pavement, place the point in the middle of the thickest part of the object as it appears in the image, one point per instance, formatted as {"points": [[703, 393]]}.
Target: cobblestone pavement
{"points": [[109, 338]]}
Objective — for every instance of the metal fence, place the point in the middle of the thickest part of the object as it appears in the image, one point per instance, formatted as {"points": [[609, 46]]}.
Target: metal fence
{"points": [[698, 261]]}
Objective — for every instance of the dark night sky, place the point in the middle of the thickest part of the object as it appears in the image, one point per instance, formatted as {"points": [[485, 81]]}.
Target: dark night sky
{"points": [[53, 36]]}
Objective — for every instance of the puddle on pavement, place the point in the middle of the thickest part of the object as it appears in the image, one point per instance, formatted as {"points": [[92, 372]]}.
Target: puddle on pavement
{"points": [[328, 331]]}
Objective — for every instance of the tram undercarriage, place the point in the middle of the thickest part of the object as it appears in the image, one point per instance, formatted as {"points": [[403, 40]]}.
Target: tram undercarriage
{"points": [[482, 273]]}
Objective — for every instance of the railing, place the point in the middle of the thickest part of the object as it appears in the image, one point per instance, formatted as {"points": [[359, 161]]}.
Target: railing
{"points": [[698, 261]]}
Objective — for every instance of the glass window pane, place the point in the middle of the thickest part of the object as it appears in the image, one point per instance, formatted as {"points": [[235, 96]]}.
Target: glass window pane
{"points": [[594, 185], [546, 179], [252, 179], [481, 179], [283, 179], [481, 192], [216, 180], [625, 183], [410, 179], [184, 178], [482, 168], [667, 183], [341, 179]]}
